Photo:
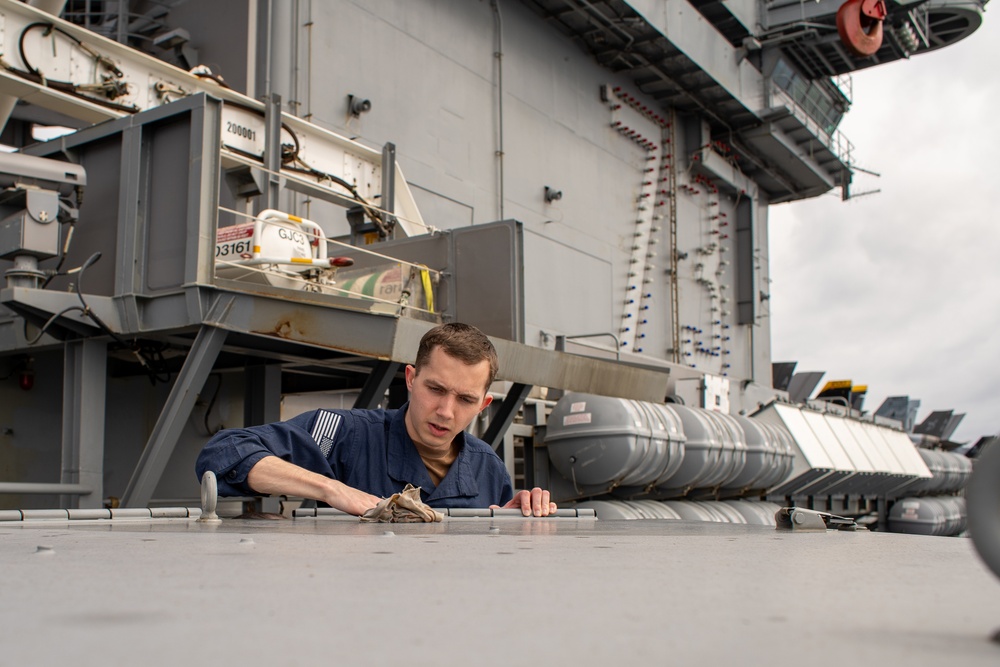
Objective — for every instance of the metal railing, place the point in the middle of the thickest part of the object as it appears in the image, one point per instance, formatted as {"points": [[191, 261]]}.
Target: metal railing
{"points": [[835, 140]]}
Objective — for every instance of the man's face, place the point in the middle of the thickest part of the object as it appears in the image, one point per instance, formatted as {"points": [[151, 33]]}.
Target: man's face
{"points": [[445, 396]]}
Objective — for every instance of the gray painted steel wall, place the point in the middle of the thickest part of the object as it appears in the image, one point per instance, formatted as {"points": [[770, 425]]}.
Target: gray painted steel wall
{"points": [[429, 70]]}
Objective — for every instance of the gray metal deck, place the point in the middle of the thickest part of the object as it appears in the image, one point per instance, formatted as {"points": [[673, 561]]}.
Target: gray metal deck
{"points": [[487, 592]]}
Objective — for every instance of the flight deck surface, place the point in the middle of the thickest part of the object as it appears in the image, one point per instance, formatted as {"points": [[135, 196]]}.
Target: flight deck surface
{"points": [[488, 592]]}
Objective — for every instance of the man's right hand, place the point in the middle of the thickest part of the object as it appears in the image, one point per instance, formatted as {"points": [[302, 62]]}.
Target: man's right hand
{"points": [[274, 476], [348, 499]]}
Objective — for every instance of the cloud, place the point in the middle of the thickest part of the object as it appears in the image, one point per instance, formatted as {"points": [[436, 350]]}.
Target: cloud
{"points": [[901, 289]]}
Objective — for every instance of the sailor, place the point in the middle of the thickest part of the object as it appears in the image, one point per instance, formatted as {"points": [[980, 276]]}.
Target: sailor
{"points": [[349, 458]]}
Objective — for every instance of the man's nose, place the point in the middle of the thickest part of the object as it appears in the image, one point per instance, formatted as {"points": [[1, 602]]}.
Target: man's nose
{"points": [[446, 406]]}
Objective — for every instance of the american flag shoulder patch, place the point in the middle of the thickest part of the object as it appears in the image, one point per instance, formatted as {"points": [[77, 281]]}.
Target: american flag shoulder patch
{"points": [[325, 430]]}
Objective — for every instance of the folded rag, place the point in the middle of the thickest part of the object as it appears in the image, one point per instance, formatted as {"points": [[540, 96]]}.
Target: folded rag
{"points": [[402, 507]]}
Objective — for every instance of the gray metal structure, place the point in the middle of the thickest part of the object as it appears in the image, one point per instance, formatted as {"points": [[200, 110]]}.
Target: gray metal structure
{"points": [[170, 292], [666, 127]]}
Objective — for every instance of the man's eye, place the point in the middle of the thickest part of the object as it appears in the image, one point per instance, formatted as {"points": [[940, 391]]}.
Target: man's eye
{"points": [[437, 390], [468, 400]]}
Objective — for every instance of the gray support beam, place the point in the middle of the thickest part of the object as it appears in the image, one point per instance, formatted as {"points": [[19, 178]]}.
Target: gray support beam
{"points": [[506, 453], [377, 384], [505, 415], [536, 459], [130, 256], [202, 206], [262, 399], [84, 396], [746, 270], [388, 200], [572, 372], [174, 415], [339, 323], [121, 34], [272, 151]]}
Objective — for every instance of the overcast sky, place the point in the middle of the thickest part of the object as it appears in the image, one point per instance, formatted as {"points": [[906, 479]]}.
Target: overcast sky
{"points": [[901, 290]]}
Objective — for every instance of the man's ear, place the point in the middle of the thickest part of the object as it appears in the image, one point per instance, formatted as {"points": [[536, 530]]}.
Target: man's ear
{"points": [[411, 373], [486, 401]]}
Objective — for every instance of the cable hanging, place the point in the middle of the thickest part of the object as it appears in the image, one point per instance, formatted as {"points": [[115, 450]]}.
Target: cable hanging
{"points": [[111, 85], [149, 355]]}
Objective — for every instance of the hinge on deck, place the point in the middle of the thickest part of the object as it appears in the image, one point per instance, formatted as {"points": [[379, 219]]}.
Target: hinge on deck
{"points": [[797, 518]]}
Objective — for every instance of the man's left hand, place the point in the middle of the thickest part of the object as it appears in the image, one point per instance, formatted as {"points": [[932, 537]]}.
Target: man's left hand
{"points": [[531, 503]]}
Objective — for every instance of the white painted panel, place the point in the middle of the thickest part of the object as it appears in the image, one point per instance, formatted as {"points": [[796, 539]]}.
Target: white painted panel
{"points": [[895, 465], [829, 440], [899, 443], [876, 453], [851, 445], [812, 451]]}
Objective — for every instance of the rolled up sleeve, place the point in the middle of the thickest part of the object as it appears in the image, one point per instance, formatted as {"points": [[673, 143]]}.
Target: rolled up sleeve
{"points": [[230, 454]]}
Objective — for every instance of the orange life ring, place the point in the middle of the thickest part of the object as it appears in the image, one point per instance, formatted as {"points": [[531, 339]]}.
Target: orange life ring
{"points": [[860, 33]]}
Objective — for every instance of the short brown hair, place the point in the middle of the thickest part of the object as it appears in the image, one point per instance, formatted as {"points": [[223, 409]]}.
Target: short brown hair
{"points": [[462, 341]]}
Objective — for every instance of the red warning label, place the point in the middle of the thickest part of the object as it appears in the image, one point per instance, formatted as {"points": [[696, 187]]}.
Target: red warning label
{"points": [[234, 232]]}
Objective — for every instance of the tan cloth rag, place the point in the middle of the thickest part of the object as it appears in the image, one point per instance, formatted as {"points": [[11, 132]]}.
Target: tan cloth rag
{"points": [[402, 507]]}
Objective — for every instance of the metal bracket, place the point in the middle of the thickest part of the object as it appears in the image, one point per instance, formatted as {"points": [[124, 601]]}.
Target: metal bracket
{"points": [[505, 415], [272, 150], [377, 384], [799, 519], [173, 416], [388, 200]]}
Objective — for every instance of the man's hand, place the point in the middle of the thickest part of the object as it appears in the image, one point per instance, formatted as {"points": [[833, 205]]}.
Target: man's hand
{"points": [[348, 499], [531, 503]]}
